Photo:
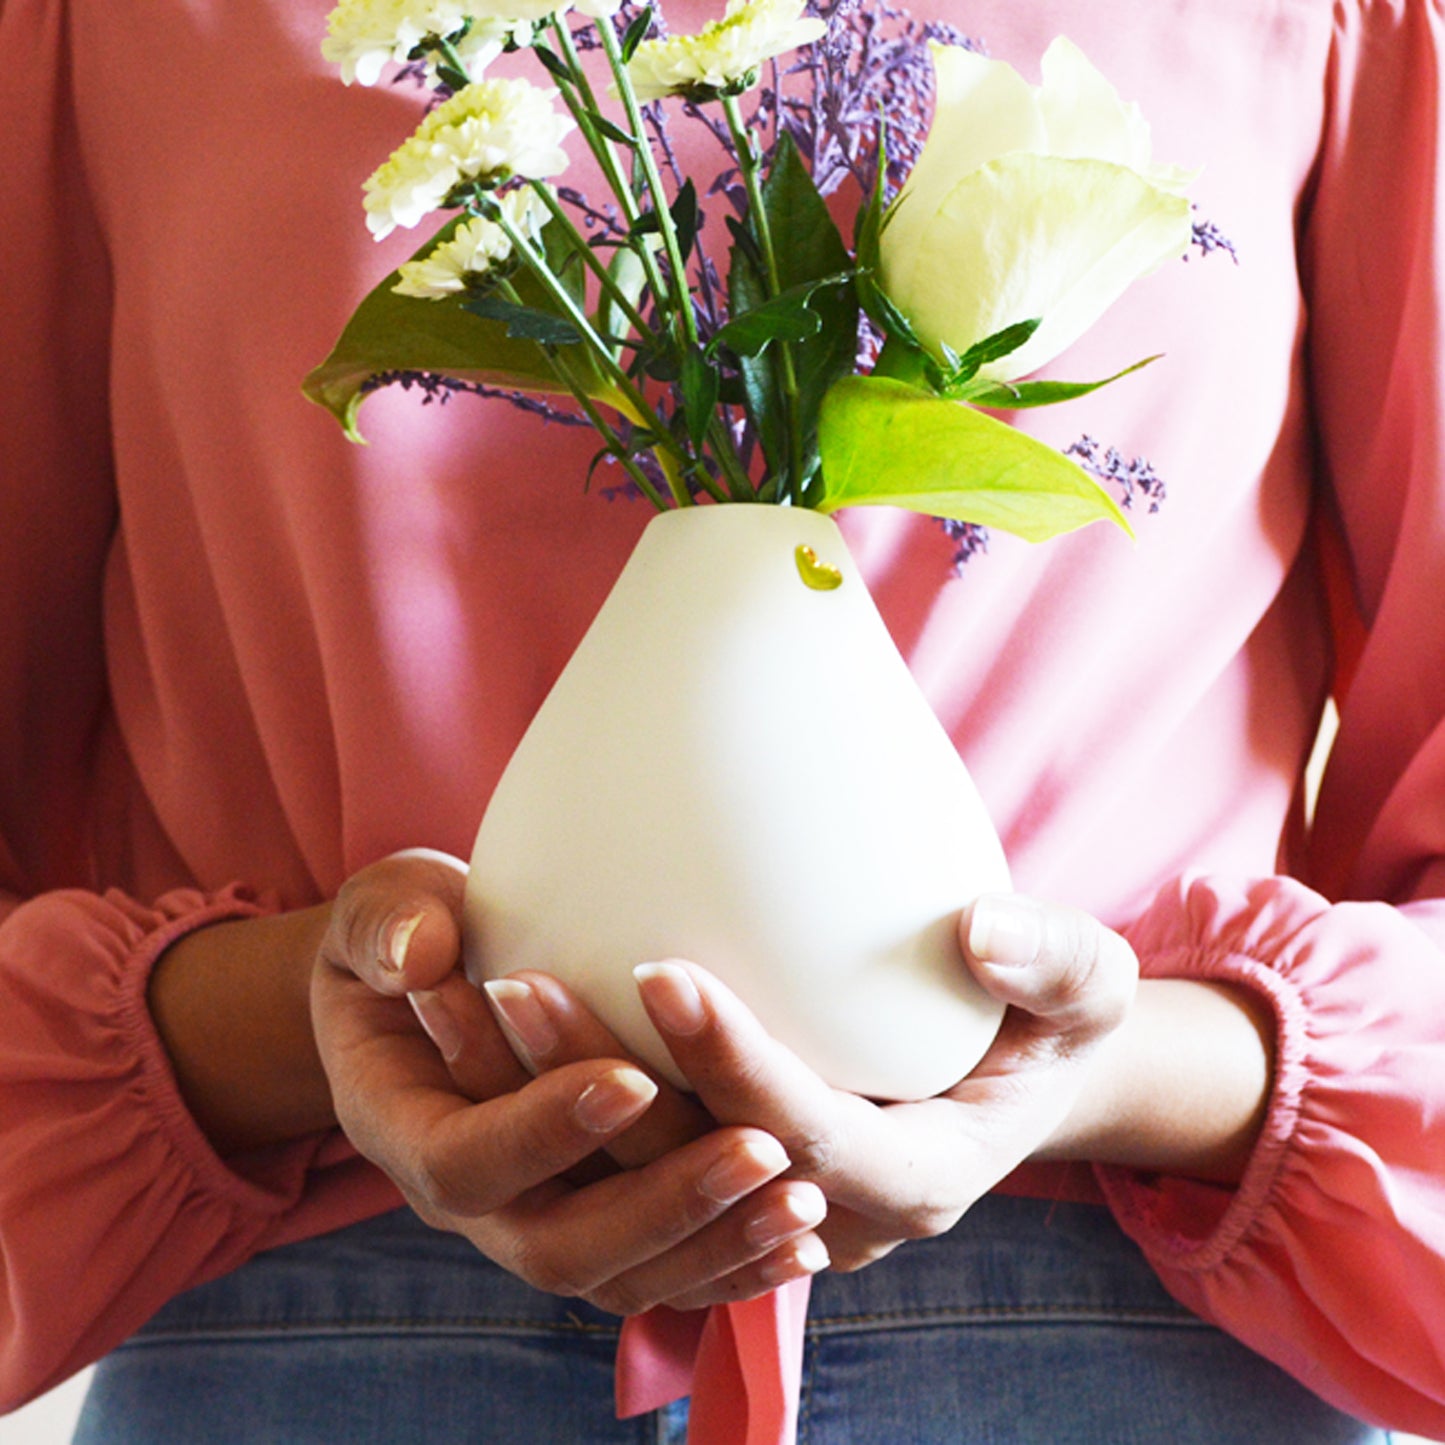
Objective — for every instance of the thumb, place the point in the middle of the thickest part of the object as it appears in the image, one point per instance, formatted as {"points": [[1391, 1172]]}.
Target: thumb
{"points": [[396, 924], [1059, 964]]}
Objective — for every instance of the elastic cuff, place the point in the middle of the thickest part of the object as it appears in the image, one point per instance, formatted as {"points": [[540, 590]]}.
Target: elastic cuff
{"points": [[183, 913], [1164, 1214]]}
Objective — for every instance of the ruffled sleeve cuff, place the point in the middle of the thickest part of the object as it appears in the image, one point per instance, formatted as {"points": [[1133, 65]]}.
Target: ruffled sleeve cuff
{"points": [[1327, 1255], [112, 1200]]}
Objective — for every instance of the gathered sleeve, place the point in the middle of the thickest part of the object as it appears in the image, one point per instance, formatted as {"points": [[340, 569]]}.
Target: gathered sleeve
{"points": [[111, 1199], [1330, 1256]]}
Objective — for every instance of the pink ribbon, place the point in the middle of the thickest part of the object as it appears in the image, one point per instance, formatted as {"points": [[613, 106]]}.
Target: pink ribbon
{"points": [[741, 1363]]}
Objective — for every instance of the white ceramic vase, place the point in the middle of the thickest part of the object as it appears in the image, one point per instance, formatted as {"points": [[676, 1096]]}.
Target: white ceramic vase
{"points": [[736, 768]]}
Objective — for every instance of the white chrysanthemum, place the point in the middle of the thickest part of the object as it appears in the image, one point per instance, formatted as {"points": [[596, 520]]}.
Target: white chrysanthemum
{"points": [[473, 249], [363, 35], [724, 55], [488, 131]]}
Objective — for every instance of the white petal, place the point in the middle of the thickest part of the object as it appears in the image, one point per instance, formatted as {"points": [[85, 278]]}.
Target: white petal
{"points": [[1035, 236]]}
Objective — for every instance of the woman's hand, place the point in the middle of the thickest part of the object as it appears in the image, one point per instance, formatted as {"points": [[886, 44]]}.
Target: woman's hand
{"points": [[481, 1149], [1170, 1075], [280, 1027]]}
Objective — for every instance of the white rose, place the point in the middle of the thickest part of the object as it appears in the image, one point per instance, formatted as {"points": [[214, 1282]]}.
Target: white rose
{"points": [[1027, 202]]}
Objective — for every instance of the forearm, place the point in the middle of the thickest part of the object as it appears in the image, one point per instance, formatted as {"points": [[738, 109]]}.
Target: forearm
{"points": [[231, 1006], [1182, 1087]]}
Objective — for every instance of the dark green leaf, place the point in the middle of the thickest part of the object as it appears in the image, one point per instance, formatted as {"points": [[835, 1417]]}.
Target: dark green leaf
{"points": [[784, 318], [685, 218], [611, 130], [662, 364], [553, 62], [867, 230], [787, 317], [762, 388], [811, 250], [745, 242], [604, 455], [699, 384], [1017, 396], [991, 348], [646, 224], [524, 323], [635, 34]]}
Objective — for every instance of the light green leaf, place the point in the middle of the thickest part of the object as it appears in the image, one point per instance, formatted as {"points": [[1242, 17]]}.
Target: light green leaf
{"points": [[885, 442], [388, 332], [630, 277]]}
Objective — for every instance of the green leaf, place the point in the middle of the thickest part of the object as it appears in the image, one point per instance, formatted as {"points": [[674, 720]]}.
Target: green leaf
{"points": [[885, 442], [526, 323], [811, 251], [762, 388], [699, 384], [785, 318], [612, 130], [388, 333], [991, 348], [1017, 395], [868, 228], [630, 277], [635, 34], [685, 218], [552, 61]]}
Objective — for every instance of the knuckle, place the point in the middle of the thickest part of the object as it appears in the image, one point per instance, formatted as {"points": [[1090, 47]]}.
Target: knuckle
{"points": [[543, 1270], [618, 1297], [928, 1219], [814, 1155], [1095, 970], [443, 1186]]}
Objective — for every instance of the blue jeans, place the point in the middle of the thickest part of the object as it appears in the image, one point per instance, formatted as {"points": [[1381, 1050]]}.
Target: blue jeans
{"points": [[1029, 1324]]}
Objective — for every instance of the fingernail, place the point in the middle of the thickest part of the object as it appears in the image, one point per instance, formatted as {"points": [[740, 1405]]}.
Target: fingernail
{"points": [[749, 1164], [398, 935], [613, 1100], [808, 1255], [671, 997], [436, 1018], [803, 1207], [1005, 931], [522, 1017]]}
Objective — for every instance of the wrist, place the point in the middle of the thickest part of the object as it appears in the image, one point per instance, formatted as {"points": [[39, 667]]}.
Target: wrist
{"points": [[231, 1006], [1181, 1087]]}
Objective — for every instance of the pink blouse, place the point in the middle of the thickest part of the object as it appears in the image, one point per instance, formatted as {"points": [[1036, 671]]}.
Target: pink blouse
{"points": [[240, 658]]}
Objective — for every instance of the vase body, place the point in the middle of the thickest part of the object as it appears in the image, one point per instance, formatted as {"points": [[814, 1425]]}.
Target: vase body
{"points": [[736, 768]]}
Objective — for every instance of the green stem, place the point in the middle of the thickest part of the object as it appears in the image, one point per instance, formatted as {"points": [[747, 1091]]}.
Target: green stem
{"points": [[562, 369], [758, 215], [590, 258], [681, 292], [581, 100], [901, 362], [448, 53], [641, 408], [739, 484]]}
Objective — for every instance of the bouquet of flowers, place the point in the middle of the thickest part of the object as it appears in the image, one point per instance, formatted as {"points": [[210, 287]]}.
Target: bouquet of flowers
{"points": [[807, 371], [733, 767]]}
